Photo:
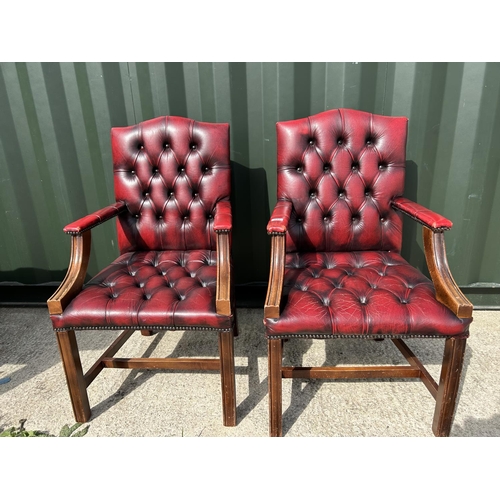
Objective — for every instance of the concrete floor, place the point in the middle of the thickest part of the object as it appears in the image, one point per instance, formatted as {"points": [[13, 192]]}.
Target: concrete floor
{"points": [[159, 403]]}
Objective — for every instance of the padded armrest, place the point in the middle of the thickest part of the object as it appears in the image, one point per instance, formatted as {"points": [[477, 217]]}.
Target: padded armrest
{"points": [[280, 217], [428, 218], [94, 219], [223, 217]]}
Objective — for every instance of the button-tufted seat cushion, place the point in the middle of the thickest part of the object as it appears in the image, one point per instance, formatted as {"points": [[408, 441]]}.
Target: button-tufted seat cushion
{"points": [[352, 294], [170, 289]]}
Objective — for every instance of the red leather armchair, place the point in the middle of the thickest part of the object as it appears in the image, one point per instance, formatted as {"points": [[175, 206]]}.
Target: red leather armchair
{"points": [[336, 269], [172, 184]]}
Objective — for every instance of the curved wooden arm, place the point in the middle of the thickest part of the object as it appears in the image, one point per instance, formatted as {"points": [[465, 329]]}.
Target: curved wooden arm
{"points": [[75, 277], [276, 275], [447, 291], [223, 289]]}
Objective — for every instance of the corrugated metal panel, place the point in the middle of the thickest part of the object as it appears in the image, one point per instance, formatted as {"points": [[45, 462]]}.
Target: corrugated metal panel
{"points": [[55, 159]]}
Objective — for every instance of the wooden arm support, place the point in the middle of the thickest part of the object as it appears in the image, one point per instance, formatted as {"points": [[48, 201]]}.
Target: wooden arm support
{"points": [[223, 291], [276, 275], [447, 291], [75, 277]]}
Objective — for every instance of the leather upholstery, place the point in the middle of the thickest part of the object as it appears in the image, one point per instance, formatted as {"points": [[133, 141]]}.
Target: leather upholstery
{"points": [[340, 186], [423, 215], [223, 221], [280, 217], [172, 186], [93, 220], [341, 169], [369, 294], [171, 289], [171, 172]]}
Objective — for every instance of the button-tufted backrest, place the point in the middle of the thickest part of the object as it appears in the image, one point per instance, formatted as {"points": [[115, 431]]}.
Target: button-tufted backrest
{"points": [[171, 172], [340, 169]]}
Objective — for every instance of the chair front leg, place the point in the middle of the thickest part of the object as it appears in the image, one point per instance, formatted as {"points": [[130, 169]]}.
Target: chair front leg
{"points": [[275, 354], [70, 356], [228, 384], [449, 382]]}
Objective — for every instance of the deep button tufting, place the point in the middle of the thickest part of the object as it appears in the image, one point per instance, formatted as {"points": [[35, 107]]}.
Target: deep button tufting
{"points": [[311, 141], [341, 193], [181, 169], [155, 170], [299, 219], [369, 141], [358, 301], [326, 167], [136, 216], [205, 168], [340, 141], [367, 192], [166, 145], [210, 216], [165, 295], [193, 146], [195, 194], [299, 169], [146, 194], [312, 193], [170, 193], [140, 146], [355, 166], [132, 172], [382, 219], [160, 216]]}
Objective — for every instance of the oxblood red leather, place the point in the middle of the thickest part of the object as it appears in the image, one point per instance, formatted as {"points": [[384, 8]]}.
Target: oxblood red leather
{"points": [[423, 215], [336, 294], [280, 217], [93, 220], [171, 289], [342, 171], [172, 178], [171, 172], [223, 217]]}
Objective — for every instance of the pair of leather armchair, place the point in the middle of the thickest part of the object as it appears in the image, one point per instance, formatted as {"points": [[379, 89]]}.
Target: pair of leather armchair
{"points": [[336, 269]]}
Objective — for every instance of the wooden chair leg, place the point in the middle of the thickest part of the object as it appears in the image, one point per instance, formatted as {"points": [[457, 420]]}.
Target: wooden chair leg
{"points": [[147, 333], [228, 384], [275, 354], [70, 356], [449, 382]]}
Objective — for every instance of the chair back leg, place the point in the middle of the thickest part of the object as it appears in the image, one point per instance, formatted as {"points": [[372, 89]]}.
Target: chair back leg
{"points": [[228, 385], [449, 382], [275, 355], [70, 356]]}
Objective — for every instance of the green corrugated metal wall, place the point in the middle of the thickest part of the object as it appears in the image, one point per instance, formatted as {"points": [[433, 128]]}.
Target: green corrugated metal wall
{"points": [[55, 158]]}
